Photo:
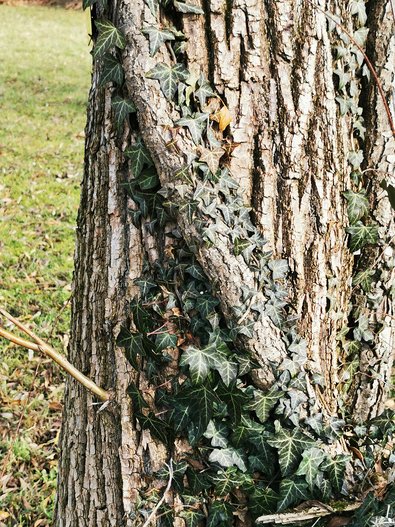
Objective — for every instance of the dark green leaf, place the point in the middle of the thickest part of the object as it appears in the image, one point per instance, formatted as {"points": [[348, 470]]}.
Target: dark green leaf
{"points": [[133, 344], [217, 432], [197, 480], [145, 286], [188, 208], [309, 466], [141, 317], [291, 493], [157, 37], [336, 467], [240, 245], [203, 92], [137, 398], [109, 36], [262, 501], [362, 235], [139, 157], [289, 445], [228, 457], [148, 179], [197, 272], [206, 305], [165, 340], [192, 517], [168, 77], [112, 71], [157, 427], [364, 279], [231, 478], [180, 417], [264, 402], [200, 400], [122, 108], [220, 514], [234, 399]]}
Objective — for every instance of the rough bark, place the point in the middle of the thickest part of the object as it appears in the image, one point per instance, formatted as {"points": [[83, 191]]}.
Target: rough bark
{"points": [[271, 62]]}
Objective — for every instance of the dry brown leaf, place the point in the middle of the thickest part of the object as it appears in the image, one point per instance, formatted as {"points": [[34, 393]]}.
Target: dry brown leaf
{"points": [[223, 118]]}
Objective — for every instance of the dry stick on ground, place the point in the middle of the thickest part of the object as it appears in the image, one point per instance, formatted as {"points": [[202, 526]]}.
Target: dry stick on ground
{"points": [[40, 345]]}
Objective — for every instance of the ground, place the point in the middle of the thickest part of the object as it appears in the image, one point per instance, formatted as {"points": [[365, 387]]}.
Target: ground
{"points": [[44, 81]]}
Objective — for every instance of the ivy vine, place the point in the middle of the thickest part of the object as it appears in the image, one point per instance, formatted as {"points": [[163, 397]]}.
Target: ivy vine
{"points": [[251, 451]]}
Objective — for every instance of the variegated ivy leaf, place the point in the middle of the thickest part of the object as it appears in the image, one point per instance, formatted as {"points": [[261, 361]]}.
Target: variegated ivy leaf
{"points": [[204, 91], [217, 432], [361, 35], [228, 457], [357, 7], [274, 310], [201, 360], [362, 331], [364, 279], [290, 445], [336, 467], [355, 159], [157, 37], [279, 269], [195, 124], [362, 235], [139, 157], [109, 36], [112, 70], [264, 402], [292, 492], [309, 466], [357, 204], [226, 480], [184, 7], [168, 77], [122, 108], [212, 158]]}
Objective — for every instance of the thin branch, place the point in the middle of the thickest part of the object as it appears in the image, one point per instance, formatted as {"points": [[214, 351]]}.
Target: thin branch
{"points": [[18, 340], [40, 345], [309, 514], [168, 486]]}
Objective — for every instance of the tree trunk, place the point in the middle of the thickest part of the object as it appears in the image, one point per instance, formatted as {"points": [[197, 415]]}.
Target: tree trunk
{"points": [[292, 152]]}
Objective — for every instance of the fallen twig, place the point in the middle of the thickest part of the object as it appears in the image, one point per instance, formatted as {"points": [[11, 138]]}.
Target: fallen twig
{"points": [[300, 516]]}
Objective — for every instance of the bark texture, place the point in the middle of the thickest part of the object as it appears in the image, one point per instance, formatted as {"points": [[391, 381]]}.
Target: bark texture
{"points": [[271, 62]]}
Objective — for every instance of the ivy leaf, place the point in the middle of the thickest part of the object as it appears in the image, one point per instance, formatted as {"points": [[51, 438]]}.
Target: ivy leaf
{"points": [[228, 371], [355, 159], [153, 6], [197, 272], [234, 399], [206, 305], [262, 501], [197, 481], [362, 235], [357, 7], [360, 35], [139, 157], [112, 71], [183, 7], [279, 268], [292, 492], [309, 466], [180, 416], [192, 517], [217, 432], [133, 344], [362, 331], [212, 158], [157, 427], [137, 399], [165, 340], [141, 317], [240, 245], [157, 37], [336, 467], [290, 445], [109, 36], [88, 3], [200, 400], [227, 480], [203, 92], [148, 179], [384, 422], [273, 309], [122, 107], [364, 279], [227, 457], [198, 361], [264, 402], [195, 124], [357, 205], [168, 77], [145, 286]]}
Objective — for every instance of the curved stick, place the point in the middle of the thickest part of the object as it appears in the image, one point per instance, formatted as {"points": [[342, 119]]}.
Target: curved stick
{"points": [[40, 345]]}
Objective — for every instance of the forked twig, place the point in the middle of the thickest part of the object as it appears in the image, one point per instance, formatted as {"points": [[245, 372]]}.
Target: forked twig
{"points": [[40, 345]]}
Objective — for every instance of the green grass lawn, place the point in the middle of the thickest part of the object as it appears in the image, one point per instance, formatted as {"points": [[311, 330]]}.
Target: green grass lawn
{"points": [[44, 82]]}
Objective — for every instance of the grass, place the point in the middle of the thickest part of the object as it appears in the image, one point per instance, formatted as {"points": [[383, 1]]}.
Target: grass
{"points": [[44, 81]]}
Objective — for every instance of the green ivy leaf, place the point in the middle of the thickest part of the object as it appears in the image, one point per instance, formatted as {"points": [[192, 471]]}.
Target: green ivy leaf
{"points": [[157, 427], [157, 37], [197, 272], [292, 492], [274, 310], [122, 108], [137, 399], [203, 92], [109, 36], [289, 444], [234, 398], [148, 179], [183, 7], [180, 416], [201, 360], [357, 205], [206, 305], [384, 422], [309, 466], [192, 517], [362, 235], [240, 245], [220, 513], [141, 317], [189, 208], [139, 157], [153, 6], [145, 286], [212, 158], [279, 268], [165, 340], [262, 501], [364, 279], [217, 432], [195, 124], [336, 467], [168, 77], [264, 402], [133, 344], [112, 71], [200, 400]]}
